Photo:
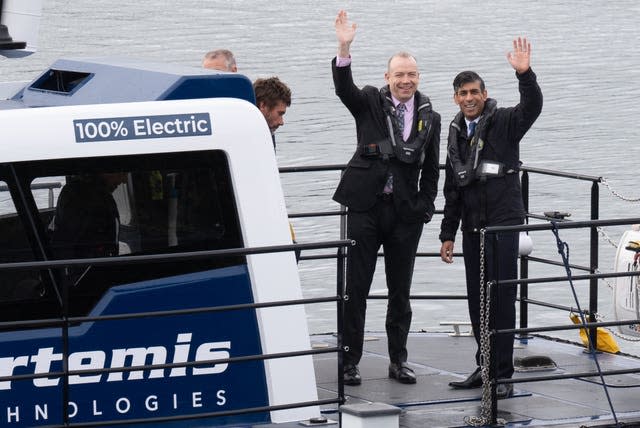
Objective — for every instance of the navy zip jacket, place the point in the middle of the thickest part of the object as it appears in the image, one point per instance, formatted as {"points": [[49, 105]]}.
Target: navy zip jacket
{"points": [[502, 195]]}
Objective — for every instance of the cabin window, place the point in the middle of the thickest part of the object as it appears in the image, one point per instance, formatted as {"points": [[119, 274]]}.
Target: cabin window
{"points": [[15, 285], [114, 207], [61, 81]]}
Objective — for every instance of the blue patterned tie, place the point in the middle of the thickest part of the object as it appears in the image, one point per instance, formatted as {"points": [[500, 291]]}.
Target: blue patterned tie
{"points": [[472, 129]]}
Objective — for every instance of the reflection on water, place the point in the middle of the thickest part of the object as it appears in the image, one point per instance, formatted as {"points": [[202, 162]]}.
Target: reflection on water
{"points": [[585, 58]]}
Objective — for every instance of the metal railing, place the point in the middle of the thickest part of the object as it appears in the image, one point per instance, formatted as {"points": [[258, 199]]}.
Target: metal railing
{"points": [[40, 186], [524, 301], [591, 326], [524, 281], [65, 322]]}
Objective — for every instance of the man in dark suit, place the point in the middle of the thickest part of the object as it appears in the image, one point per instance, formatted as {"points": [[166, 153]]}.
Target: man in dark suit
{"points": [[389, 187]]}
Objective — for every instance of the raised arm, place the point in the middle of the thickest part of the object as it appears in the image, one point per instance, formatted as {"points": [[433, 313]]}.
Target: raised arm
{"points": [[345, 33], [520, 57]]}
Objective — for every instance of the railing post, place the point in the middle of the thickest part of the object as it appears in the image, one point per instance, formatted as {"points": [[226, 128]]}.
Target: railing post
{"points": [[339, 320], [524, 261], [340, 290], [492, 284], [593, 263]]}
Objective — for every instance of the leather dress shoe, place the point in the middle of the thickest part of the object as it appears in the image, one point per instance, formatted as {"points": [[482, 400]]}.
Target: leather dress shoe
{"points": [[473, 381], [351, 375], [504, 390], [402, 373]]}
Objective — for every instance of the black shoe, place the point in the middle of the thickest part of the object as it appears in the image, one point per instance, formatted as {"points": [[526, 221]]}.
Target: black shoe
{"points": [[402, 373], [473, 381], [504, 390], [351, 375]]}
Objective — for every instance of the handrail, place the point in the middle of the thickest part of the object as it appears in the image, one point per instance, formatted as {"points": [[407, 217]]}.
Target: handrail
{"points": [[561, 174], [340, 244], [563, 225], [39, 186], [164, 257], [592, 276], [65, 322]]}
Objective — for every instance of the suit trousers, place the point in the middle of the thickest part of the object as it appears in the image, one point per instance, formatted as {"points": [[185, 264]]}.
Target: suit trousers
{"points": [[501, 263], [381, 225]]}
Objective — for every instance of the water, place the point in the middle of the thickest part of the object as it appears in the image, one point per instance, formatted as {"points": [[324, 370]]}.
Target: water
{"points": [[586, 58]]}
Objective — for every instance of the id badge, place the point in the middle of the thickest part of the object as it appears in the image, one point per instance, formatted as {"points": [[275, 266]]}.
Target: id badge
{"points": [[490, 168]]}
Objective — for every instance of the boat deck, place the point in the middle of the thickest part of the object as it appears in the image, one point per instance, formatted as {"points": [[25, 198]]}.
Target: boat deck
{"points": [[438, 358]]}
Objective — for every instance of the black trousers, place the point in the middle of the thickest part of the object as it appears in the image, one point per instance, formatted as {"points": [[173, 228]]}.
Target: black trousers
{"points": [[501, 257], [379, 226]]}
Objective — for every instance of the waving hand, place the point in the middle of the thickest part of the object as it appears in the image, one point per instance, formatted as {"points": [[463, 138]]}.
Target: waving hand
{"points": [[520, 57]]}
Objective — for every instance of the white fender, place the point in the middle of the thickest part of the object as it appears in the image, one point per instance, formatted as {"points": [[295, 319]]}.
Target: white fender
{"points": [[625, 290], [525, 246]]}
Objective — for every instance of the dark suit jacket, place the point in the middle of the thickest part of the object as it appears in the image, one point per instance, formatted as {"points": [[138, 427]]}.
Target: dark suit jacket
{"points": [[414, 186]]}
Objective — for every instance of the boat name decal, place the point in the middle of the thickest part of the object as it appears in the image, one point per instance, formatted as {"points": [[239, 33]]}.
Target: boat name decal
{"points": [[44, 360], [142, 127]]}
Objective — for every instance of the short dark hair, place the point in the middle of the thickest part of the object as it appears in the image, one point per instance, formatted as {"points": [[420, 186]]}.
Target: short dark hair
{"points": [[467, 77], [271, 91]]}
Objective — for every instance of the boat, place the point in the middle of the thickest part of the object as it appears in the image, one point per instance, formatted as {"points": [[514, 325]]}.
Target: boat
{"points": [[183, 306]]}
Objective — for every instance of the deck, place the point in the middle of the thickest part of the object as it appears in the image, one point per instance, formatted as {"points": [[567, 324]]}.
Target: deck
{"points": [[438, 358]]}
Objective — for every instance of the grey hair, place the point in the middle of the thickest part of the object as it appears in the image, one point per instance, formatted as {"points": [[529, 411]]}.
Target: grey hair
{"points": [[230, 60]]}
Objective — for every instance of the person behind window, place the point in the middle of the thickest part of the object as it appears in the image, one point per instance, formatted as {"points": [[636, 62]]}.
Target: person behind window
{"points": [[86, 220]]}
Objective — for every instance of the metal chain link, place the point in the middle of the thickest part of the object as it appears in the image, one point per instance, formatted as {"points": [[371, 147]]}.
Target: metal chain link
{"points": [[624, 336], [615, 245], [606, 237], [485, 348], [615, 193]]}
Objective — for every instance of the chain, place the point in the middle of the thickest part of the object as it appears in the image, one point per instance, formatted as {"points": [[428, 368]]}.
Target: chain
{"points": [[615, 245], [606, 237], [599, 317], [615, 193], [485, 346], [605, 280], [623, 336]]}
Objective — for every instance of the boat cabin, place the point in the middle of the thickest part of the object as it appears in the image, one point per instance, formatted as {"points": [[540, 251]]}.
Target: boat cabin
{"points": [[128, 192]]}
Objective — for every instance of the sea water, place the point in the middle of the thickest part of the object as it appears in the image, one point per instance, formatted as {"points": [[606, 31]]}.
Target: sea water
{"points": [[584, 53]]}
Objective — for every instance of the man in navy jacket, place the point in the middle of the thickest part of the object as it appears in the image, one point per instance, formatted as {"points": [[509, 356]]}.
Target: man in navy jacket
{"points": [[482, 188]]}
